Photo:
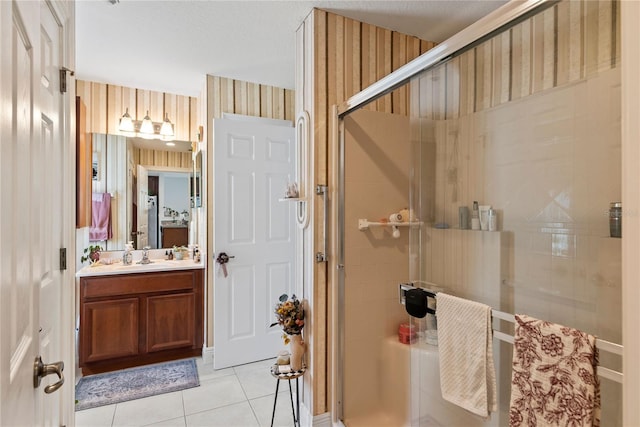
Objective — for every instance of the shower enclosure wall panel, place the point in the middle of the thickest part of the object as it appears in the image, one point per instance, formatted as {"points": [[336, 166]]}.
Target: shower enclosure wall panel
{"points": [[375, 365]]}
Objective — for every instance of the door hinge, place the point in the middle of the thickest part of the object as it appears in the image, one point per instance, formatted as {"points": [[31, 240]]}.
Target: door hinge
{"points": [[63, 258], [63, 78]]}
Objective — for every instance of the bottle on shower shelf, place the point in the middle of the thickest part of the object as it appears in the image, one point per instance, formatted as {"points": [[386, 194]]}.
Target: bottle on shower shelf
{"points": [[615, 219], [492, 220], [475, 217]]}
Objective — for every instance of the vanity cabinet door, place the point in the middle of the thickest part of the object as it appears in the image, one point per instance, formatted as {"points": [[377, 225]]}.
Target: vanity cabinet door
{"points": [[109, 329], [171, 321]]}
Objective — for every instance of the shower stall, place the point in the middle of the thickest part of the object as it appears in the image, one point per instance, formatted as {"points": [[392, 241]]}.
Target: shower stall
{"points": [[521, 112]]}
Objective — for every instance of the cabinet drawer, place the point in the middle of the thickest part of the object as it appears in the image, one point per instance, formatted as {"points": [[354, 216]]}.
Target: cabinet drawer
{"points": [[128, 284]]}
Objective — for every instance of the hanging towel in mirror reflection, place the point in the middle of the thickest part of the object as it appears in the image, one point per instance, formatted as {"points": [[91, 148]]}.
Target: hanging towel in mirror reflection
{"points": [[100, 217]]}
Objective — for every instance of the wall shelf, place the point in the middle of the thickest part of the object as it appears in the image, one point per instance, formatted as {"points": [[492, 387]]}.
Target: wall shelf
{"points": [[364, 224]]}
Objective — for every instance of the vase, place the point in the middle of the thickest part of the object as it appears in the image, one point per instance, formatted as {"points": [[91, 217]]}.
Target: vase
{"points": [[297, 352]]}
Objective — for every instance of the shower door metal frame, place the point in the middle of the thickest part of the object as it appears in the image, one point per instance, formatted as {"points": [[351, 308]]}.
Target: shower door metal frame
{"points": [[492, 24], [478, 32]]}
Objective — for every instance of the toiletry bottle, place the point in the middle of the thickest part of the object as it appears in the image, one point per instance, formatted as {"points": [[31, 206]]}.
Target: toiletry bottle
{"points": [[404, 213], [170, 254], [615, 219], [127, 257], [463, 217], [475, 217], [492, 219]]}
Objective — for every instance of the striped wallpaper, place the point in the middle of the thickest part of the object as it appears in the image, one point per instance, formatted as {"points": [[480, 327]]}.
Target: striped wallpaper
{"points": [[566, 43]]}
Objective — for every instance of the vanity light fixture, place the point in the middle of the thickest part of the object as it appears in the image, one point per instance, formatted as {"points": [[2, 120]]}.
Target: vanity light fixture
{"points": [[146, 128]]}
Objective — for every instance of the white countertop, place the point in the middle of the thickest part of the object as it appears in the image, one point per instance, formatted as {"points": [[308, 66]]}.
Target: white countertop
{"points": [[101, 269]]}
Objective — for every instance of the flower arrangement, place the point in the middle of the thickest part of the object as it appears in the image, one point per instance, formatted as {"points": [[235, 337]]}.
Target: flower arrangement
{"points": [[179, 252], [91, 253], [290, 315]]}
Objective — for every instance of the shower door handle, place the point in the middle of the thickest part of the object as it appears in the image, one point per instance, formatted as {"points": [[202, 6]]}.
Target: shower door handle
{"points": [[324, 191], [304, 148]]}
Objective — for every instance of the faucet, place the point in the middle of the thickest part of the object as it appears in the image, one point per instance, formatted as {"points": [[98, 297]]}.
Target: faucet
{"points": [[145, 256]]}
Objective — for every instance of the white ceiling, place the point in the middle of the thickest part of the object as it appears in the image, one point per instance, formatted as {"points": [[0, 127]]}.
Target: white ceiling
{"points": [[170, 45]]}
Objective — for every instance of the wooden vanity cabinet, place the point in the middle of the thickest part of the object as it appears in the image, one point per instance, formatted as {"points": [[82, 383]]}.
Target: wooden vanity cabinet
{"points": [[174, 236], [135, 319]]}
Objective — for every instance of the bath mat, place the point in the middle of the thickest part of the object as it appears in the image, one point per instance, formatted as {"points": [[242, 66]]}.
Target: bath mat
{"points": [[135, 383]]}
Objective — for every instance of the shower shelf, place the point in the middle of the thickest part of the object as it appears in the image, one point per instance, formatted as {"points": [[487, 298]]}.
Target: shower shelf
{"points": [[292, 199], [364, 224]]}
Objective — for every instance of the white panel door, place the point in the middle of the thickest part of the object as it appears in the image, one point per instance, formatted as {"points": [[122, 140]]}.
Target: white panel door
{"points": [[35, 305], [253, 162], [49, 186], [142, 190]]}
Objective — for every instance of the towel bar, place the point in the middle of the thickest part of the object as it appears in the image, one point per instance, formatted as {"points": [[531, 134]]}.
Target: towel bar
{"points": [[601, 345]]}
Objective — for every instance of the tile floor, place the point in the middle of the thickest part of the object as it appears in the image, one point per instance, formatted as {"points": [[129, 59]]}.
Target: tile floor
{"points": [[241, 396]]}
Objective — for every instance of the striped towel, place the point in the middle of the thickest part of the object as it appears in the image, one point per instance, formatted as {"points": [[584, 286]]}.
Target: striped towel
{"points": [[467, 374], [554, 379]]}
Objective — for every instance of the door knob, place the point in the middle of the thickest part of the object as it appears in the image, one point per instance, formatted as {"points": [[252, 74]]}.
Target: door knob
{"points": [[40, 370], [222, 261], [223, 258]]}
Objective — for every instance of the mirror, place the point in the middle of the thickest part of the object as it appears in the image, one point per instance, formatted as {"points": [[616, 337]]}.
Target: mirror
{"points": [[151, 189]]}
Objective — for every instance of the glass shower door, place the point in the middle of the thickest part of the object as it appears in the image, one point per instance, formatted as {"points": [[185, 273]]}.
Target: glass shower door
{"points": [[527, 122]]}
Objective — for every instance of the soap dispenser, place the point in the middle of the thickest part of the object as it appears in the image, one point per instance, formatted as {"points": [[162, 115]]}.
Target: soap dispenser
{"points": [[127, 257]]}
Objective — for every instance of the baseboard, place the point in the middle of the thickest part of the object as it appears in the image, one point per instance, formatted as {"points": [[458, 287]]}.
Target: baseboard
{"points": [[307, 420], [207, 354], [322, 420]]}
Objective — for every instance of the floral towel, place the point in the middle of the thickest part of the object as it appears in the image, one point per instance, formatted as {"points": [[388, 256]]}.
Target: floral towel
{"points": [[554, 380]]}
